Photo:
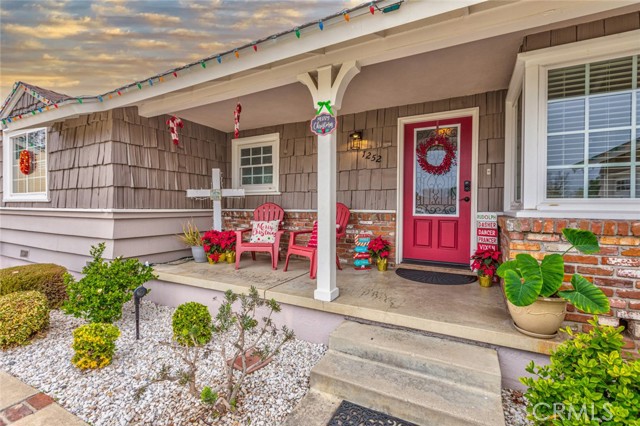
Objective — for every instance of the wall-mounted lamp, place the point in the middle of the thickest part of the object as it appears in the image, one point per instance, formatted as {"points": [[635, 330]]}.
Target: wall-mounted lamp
{"points": [[356, 142]]}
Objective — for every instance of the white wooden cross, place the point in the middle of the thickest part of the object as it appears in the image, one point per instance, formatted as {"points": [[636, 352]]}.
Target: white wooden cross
{"points": [[215, 193]]}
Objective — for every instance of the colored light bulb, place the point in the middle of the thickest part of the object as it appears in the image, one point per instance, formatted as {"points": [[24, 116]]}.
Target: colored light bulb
{"points": [[321, 25], [297, 33]]}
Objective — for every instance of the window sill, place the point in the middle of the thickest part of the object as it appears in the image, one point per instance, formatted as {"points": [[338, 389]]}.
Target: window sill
{"points": [[627, 214], [25, 199], [254, 192]]}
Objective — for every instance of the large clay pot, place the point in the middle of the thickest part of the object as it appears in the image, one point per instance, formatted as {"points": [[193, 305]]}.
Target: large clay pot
{"points": [[198, 254], [541, 319]]}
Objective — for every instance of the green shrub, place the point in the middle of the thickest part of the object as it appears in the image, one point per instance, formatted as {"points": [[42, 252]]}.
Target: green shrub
{"points": [[94, 345], [46, 278], [191, 321], [587, 382], [105, 287], [22, 314]]}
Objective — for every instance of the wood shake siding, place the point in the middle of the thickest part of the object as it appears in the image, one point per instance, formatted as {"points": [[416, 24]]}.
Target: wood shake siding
{"points": [[117, 159], [367, 185], [586, 31]]}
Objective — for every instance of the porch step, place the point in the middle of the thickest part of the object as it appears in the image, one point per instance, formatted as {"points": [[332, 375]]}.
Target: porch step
{"points": [[405, 394], [460, 363], [420, 379]]}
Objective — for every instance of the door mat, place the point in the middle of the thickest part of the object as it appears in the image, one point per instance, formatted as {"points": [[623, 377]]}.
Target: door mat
{"points": [[433, 277], [350, 414]]}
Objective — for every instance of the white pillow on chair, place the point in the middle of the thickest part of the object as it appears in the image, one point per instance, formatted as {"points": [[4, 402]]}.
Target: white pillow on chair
{"points": [[264, 231]]}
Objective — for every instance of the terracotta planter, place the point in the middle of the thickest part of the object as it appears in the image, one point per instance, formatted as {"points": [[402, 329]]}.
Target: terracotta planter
{"points": [[382, 264], [253, 363], [485, 280], [541, 319], [198, 254]]}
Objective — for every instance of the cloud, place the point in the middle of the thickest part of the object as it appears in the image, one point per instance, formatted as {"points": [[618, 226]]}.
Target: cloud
{"points": [[59, 26], [111, 8], [148, 44], [186, 33], [31, 44], [211, 46], [158, 18]]}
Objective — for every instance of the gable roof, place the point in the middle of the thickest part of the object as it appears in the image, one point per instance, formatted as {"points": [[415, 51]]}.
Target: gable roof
{"points": [[25, 98]]}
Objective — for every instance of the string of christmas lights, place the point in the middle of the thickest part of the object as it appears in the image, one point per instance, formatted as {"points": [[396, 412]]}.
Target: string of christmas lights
{"points": [[347, 15]]}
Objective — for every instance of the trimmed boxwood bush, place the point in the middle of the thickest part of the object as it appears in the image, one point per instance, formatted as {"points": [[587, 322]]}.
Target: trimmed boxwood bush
{"points": [[94, 345], [22, 314], [191, 321], [46, 278]]}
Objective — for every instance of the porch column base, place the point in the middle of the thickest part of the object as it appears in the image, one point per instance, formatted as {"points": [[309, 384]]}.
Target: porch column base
{"points": [[326, 296]]}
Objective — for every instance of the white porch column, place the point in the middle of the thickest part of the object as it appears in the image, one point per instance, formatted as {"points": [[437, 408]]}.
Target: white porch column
{"points": [[328, 89]]}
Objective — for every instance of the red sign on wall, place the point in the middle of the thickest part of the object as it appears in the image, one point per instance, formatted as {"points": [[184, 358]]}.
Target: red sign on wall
{"points": [[487, 231]]}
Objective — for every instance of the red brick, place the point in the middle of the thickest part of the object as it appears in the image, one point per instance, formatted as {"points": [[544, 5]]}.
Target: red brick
{"points": [[624, 241], [635, 229], [618, 303], [560, 225], [573, 258], [524, 246], [536, 225], [596, 227], [525, 225], [631, 294], [623, 228], [628, 273], [577, 317], [595, 270], [613, 282], [620, 261], [547, 226], [39, 401], [609, 250], [569, 269], [631, 252], [609, 228], [607, 291], [634, 305], [628, 343], [515, 235], [16, 412]]}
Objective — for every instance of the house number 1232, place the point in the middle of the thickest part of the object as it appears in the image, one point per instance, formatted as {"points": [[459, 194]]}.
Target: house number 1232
{"points": [[371, 156]]}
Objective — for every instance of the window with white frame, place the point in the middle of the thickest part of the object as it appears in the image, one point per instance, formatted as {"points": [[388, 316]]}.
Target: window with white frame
{"points": [[255, 162], [592, 130], [26, 169], [573, 130]]}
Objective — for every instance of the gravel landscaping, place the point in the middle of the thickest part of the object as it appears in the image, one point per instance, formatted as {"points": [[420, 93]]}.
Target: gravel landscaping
{"points": [[108, 396], [514, 406]]}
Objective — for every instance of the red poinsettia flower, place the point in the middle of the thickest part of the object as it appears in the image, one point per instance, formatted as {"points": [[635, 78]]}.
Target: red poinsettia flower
{"points": [[485, 262], [379, 248]]}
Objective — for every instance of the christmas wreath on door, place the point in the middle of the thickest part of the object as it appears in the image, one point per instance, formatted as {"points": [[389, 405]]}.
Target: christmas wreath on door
{"points": [[448, 161]]}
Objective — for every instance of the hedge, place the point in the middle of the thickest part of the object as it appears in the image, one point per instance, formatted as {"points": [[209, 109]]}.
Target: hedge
{"points": [[46, 278], [22, 314]]}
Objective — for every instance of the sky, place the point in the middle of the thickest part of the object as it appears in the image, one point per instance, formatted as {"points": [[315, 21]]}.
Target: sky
{"points": [[87, 47]]}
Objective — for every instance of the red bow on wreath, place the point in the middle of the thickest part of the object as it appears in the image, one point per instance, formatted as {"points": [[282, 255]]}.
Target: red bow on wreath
{"points": [[448, 161]]}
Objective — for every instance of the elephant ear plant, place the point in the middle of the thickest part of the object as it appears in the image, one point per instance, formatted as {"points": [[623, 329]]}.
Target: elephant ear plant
{"points": [[525, 279]]}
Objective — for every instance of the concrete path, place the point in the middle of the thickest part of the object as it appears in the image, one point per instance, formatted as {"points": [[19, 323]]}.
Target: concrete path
{"points": [[22, 405]]}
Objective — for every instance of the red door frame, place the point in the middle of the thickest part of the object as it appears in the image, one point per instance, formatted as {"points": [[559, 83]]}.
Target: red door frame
{"points": [[470, 174]]}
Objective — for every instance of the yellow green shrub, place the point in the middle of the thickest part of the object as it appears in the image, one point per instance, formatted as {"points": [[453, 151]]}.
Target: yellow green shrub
{"points": [[46, 278], [94, 345], [22, 314]]}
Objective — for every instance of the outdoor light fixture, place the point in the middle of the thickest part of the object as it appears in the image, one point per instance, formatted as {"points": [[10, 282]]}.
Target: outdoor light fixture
{"points": [[356, 142], [138, 294]]}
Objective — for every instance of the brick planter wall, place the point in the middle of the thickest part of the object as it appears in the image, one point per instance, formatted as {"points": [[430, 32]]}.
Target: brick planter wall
{"points": [[615, 269], [360, 222]]}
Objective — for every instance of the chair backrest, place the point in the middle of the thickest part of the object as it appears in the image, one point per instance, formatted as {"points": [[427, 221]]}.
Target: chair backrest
{"points": [[268, 211], [342, 218]]}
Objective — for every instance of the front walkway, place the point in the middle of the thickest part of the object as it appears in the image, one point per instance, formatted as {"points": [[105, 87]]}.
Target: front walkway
{"points": [[22, 405], [462, 311]]}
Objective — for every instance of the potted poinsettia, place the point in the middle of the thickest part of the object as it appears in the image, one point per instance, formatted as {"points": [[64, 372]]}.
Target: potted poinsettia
{"points": [[211, 245], [379, 249], [535, 297], [228, 245], [485, 263]]}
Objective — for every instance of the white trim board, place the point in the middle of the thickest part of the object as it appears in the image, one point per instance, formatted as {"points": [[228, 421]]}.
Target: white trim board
{"points": [[474, 113]]}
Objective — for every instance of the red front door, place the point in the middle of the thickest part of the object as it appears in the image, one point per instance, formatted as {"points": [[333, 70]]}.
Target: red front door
{"points": [[437, 198]]}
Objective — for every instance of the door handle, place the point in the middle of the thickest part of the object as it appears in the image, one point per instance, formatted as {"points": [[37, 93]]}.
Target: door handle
{"points": [[467, 199]]}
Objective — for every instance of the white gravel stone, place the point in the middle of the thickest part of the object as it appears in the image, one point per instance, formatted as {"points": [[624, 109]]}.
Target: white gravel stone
{"points": [[514, 405], [106, 397]]}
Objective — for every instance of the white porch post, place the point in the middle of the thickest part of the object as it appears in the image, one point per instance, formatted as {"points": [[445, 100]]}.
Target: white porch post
{"points": [[328, 89]]}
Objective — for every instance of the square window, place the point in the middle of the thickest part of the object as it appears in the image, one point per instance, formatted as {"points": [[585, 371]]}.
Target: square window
{"points": [[26, 171], [254, 167]]}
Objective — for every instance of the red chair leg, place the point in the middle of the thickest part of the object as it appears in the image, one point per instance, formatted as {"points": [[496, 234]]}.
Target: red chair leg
{"points": [[286, 262], [253, 255], [238, 255], [338, 262], [314, 266]]}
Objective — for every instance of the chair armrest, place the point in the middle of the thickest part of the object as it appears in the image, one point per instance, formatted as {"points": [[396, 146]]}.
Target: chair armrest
{"points": [[294, 234], [240, 233]]}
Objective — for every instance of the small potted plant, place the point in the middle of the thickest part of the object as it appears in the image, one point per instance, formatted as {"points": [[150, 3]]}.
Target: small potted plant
{"points": [[211, 244], [192, 238], [485, 263], [537, 303], [228, 245], [379, 249]]}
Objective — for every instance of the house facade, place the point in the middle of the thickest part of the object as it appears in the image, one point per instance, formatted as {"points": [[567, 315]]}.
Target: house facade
{"points": [[536, 104]]}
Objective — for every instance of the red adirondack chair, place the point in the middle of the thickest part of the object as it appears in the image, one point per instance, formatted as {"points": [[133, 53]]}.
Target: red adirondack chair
{"points": [[265, 212], [311, 251]]}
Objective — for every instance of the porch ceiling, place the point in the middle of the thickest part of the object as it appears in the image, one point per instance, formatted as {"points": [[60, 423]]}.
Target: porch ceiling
{"points": [[470, 68]]}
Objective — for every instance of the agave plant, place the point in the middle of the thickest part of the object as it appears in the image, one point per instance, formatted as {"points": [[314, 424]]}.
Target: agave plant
{"points": [[526, 279]]}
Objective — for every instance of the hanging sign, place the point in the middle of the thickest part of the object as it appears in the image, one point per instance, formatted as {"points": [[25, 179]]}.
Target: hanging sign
{"points": [[324, 124], [487, 231]]}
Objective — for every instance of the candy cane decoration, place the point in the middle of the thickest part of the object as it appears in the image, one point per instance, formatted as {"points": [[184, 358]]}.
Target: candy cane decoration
{"points": [[236, 120], [174, 124]]}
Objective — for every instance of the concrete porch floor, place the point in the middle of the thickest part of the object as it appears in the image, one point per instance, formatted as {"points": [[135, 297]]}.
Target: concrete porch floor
{"points": [[462, 311]]}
